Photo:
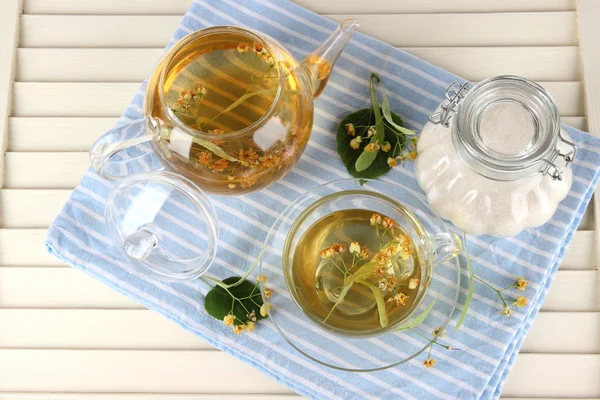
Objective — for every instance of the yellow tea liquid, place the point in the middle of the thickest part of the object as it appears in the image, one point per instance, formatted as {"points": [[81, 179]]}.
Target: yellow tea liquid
{"points": [[248, 111], [318, 280]]}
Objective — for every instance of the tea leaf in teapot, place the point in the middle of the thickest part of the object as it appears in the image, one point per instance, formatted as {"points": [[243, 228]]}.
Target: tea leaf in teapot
{"points": [[362, 120], [465, 309], [239, 300], [216, 150]]}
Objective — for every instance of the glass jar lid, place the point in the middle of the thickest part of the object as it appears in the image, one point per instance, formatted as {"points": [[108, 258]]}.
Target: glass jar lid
{"points": [[163, 224], [505, 128]]}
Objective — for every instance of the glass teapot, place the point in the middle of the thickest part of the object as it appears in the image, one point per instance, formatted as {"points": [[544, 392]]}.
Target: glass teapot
{"points": [[227, 108]]}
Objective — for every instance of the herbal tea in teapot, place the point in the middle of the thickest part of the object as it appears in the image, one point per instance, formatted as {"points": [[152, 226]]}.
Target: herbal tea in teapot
{"points": [[225, 108], [356, 271], [250, 118]]}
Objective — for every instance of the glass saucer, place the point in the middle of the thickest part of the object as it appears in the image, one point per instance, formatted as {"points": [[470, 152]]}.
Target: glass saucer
{"points": [[397, 343]]}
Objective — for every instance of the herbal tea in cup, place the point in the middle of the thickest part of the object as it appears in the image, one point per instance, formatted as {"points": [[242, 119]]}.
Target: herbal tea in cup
{"points": [[358, 262], [356, 258]]}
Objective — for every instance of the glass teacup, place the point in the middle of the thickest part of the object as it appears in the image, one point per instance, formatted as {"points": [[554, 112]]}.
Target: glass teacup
{"points": [[354, 259]]}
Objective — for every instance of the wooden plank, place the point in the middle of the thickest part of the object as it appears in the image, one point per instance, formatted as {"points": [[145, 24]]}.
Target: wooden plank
{"points": [[402, 30], [587, 220], [25, 248], [130, 371], [9, 33], [43, 287], [36, 208], [146, 330], [590, 52], [56, 288], [179, 7], [64, 170], [546, 375], [110, 99], [133, 65], [62, 134], [144, 371], [48, 134]]}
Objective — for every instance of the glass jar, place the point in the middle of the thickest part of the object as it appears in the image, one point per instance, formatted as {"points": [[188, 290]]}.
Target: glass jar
{"points": [[493, 159]]}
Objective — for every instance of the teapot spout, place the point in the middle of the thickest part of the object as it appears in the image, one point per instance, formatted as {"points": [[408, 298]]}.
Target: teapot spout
{"points": [[320, 62]]}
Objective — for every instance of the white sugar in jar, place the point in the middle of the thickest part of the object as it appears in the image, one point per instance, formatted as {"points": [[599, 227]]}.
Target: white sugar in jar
{"points": [[493, 159]]}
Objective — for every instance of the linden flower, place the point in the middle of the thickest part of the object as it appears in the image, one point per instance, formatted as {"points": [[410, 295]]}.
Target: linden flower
{"points": [[388, 223], [248, 156], [382, 285], [248, 182], [364, 253], [375, 219], [372, 147], [238, 329], [404, 254], [216, 132], [391, 250], [252, 316], [232, 186], [521, 283], [404, 241], [371, 131], [386, 146], [249, 326], [380, 271], [350, 129], [506, 311], [355, 143], [261, 279], [268, 293], [269, 161], [354, 248], [391, 281], [229, 319], [411, 156], [264, 309], [202, 90], [521, 301], [383, 259], [327, 252], [429, 363], [439, 332], [413, 283], [205, 158], [339, 248], [392, 162], [220, 165], [399, 299]]}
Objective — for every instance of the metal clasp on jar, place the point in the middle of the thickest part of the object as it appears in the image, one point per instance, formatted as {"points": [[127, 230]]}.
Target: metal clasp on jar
{"points": [[454, 95], [550, 168]]}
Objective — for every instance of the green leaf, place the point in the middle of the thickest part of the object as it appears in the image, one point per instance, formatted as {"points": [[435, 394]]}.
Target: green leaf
{"points": [[365, 160], [349, 156], [219, 301], [419, 318], [385, 108], [465, 309], [383, 316], [362, 182]]}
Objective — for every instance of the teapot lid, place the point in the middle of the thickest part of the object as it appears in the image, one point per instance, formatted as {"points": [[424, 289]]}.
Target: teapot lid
{"points": [[163, 224]]}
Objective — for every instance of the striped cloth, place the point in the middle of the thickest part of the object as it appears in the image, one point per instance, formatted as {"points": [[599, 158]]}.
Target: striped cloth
{"points": [[489, 342]]}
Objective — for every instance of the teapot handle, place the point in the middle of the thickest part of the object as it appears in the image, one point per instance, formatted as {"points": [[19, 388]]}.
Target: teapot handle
{"points": [[103, 154], [445, 247]]}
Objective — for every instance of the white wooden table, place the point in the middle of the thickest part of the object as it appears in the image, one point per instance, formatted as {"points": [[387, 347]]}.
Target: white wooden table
{"points": [[68, 68]]}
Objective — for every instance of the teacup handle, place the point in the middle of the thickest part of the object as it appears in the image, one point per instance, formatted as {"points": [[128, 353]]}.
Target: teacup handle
{"points": [[121, 138], [445, 247]]}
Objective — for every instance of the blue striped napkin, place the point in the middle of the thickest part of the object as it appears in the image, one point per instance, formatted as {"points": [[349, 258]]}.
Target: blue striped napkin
{"points": [[489, 342]]}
